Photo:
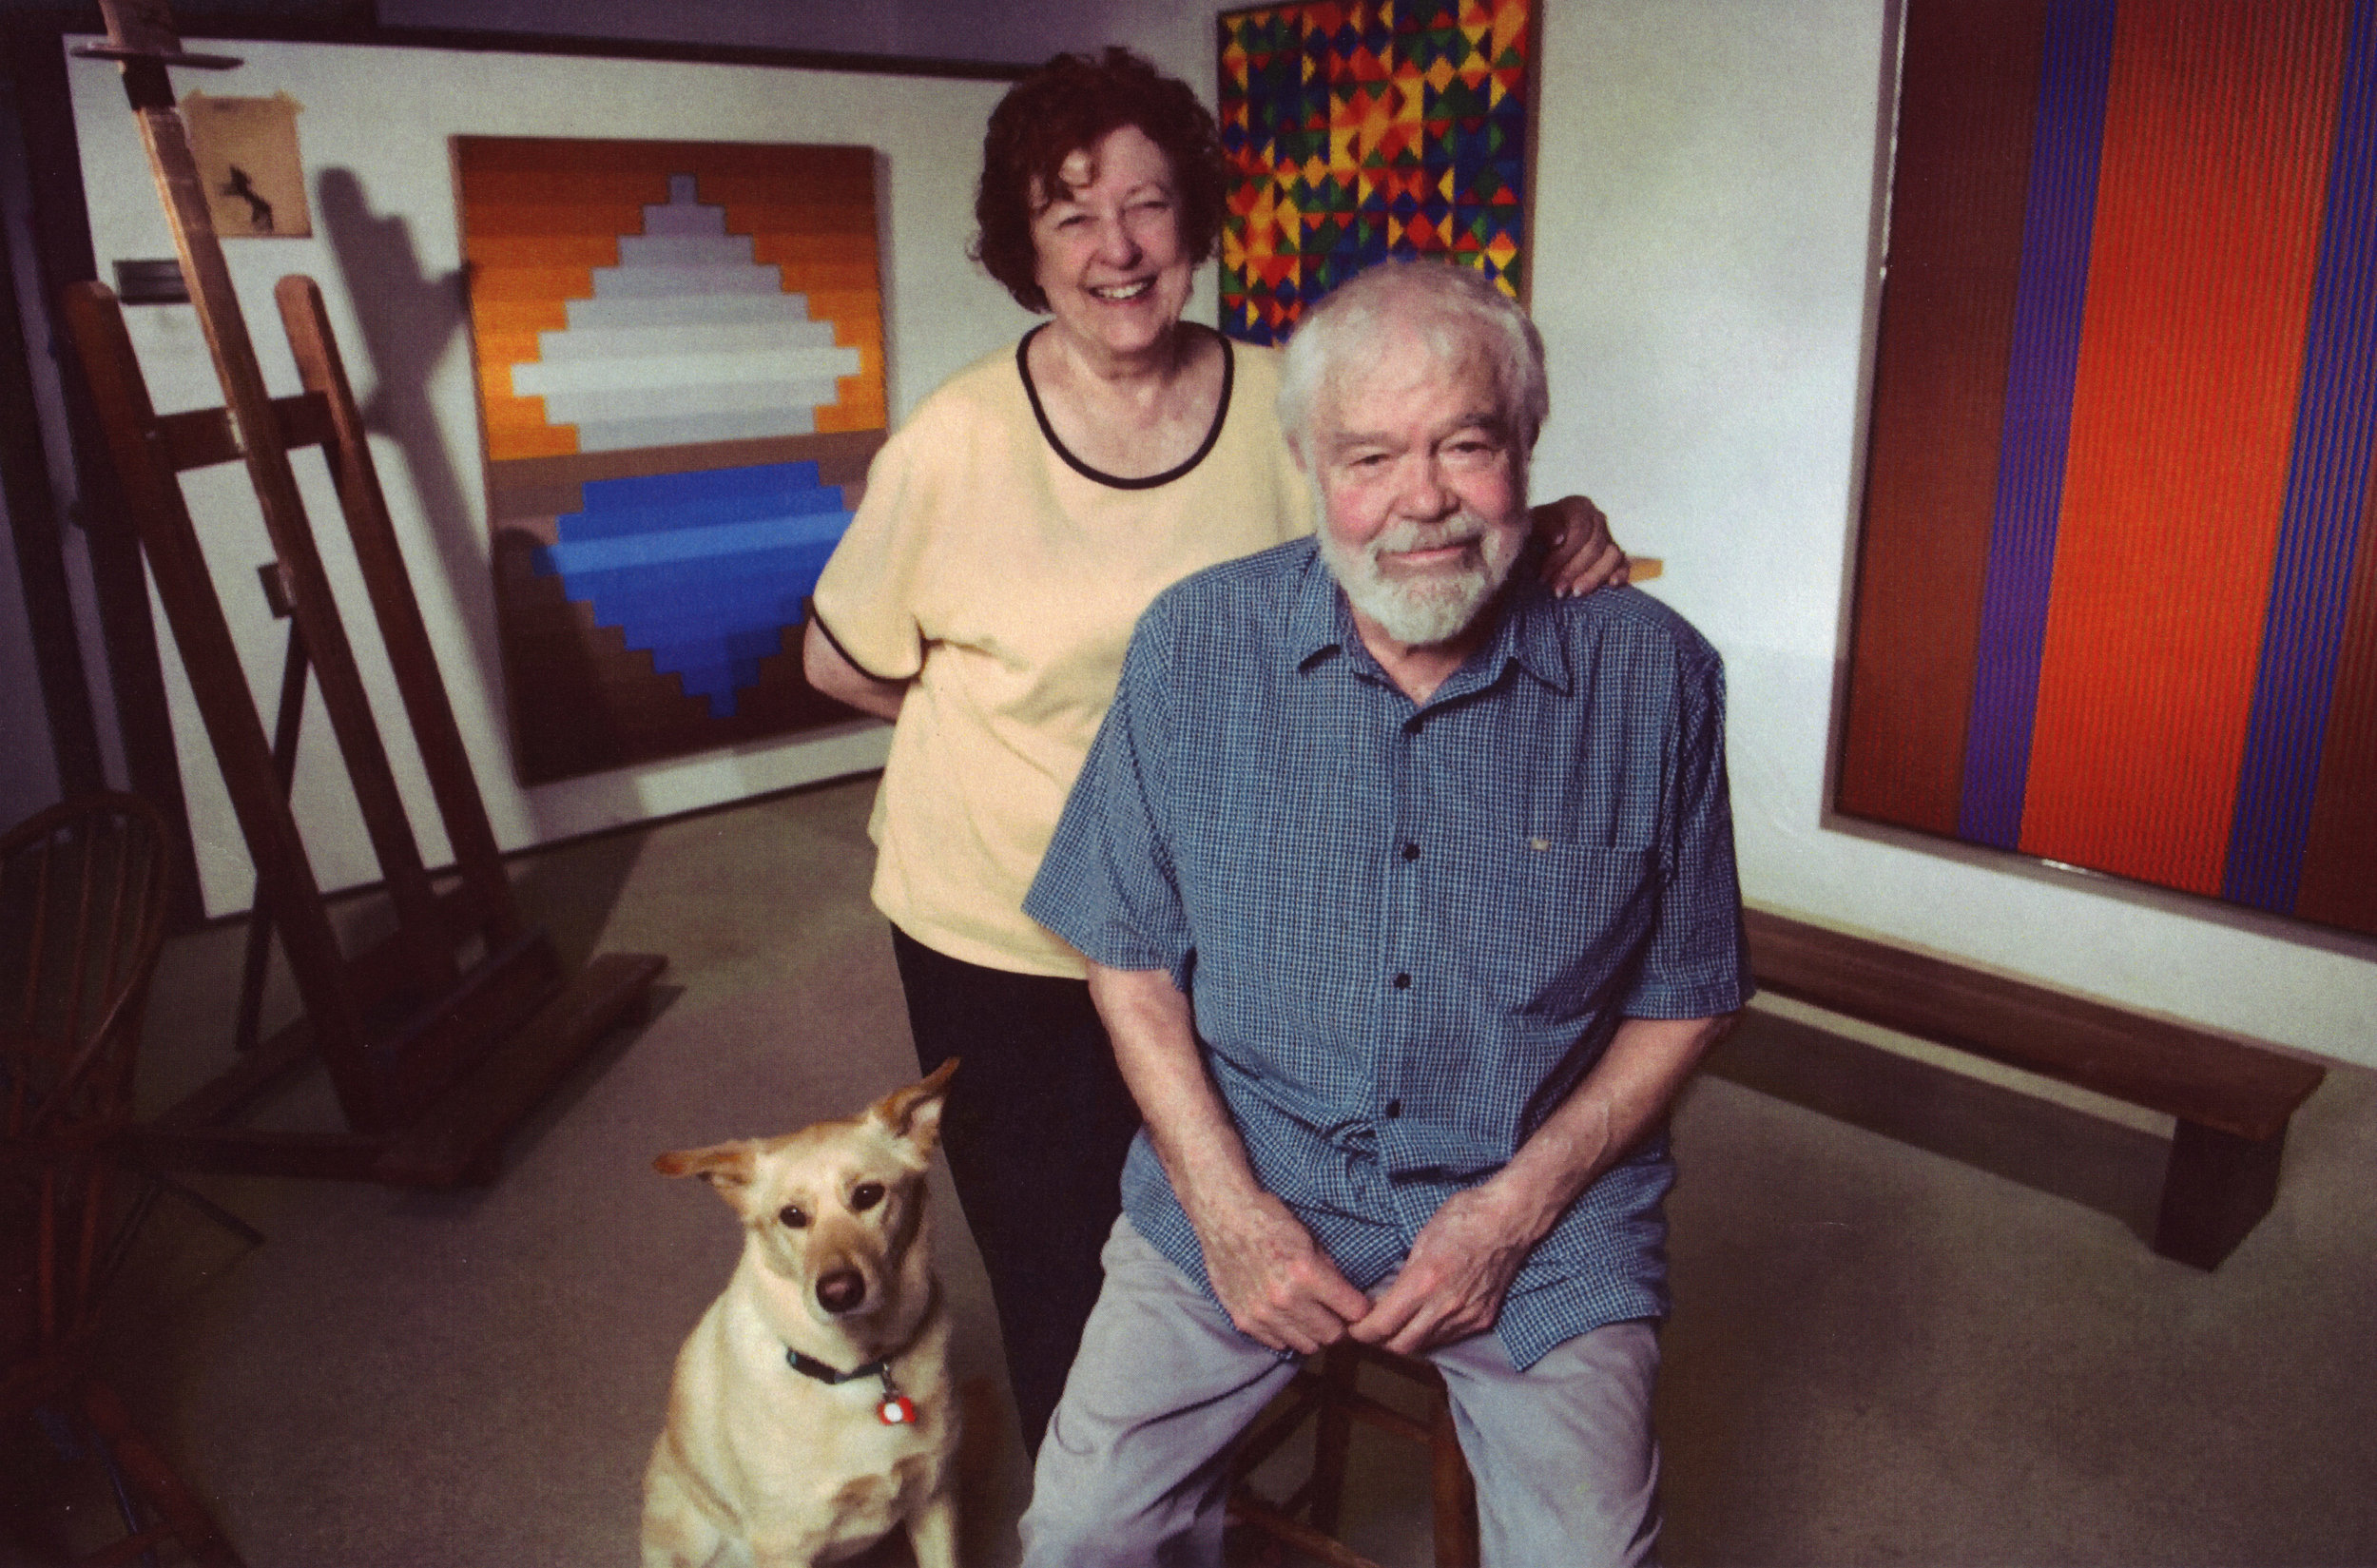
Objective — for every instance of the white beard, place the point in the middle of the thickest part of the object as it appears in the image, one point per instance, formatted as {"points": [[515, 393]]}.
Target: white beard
{"points": [[1422, 608]]}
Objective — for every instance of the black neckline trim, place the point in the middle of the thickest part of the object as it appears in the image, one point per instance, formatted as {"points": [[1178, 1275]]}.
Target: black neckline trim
{"points": [[1221, 416]]}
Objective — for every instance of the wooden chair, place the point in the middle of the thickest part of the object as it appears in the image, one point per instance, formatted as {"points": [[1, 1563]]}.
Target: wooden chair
{"points": [[1325, 1391], [82, 899]]}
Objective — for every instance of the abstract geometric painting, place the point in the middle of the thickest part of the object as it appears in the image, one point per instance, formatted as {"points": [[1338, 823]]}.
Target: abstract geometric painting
{"points": [[1359, 132], [2117, 596], [679, 352]]}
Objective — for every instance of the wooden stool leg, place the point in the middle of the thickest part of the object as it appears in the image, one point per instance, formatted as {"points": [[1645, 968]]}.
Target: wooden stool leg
{"points": [[1332, 1434], [1455, 1494]]}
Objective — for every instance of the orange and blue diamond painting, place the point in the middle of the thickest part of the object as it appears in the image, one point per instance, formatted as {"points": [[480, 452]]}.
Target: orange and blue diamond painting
{"points": [[680, 358]]}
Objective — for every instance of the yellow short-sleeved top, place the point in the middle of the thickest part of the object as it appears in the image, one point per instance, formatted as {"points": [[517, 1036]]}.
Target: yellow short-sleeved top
{"points": [[1005, 576]]}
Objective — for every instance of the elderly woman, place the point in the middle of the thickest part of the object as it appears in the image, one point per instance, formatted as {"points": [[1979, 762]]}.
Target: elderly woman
{"points": [[1010, 533]]}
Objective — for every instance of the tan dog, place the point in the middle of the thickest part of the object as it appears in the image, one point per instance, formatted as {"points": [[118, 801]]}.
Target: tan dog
{"points": [[812, 1410]]}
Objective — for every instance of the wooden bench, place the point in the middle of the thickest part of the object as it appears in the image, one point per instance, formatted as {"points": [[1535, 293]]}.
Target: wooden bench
{"points": [[2231, 1096]]}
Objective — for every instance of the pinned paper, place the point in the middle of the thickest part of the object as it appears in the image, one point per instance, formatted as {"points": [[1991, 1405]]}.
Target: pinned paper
{"points": [[247, 156]]}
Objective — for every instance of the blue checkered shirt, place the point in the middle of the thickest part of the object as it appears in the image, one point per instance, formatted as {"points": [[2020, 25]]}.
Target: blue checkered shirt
{"points": [[1408, 931]]}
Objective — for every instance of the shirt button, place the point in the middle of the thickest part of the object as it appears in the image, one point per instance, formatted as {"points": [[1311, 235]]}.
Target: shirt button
{"points": [[1403, 982], [1394, 1108], [1411, 851]]}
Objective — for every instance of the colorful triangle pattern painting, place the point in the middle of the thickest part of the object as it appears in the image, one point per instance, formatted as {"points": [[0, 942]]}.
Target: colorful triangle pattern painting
{"points": [[1359, 132]]}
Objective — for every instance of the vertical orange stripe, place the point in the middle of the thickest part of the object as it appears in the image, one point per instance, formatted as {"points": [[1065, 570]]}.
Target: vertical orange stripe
{"points": [[2218, 127]]}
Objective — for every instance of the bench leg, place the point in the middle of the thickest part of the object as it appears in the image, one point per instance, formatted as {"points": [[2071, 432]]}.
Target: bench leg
{"points": [[2216, 1190]]}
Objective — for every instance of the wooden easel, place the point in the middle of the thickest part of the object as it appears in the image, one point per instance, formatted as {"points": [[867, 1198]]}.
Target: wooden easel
{"points": [[441, 1037]]}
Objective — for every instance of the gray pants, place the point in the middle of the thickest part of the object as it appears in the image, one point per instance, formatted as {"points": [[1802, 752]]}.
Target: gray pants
{"points": [[1132, 1470]]}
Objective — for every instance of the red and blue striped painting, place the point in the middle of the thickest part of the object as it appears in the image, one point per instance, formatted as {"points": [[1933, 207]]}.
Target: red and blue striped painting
{"points": [[2114, 605]]}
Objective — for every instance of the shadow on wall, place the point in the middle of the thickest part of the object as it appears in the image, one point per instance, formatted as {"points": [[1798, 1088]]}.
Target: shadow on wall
{"points": [[408, 320]]}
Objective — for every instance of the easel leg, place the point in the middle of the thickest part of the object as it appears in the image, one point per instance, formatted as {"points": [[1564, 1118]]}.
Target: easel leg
{"points": [[286, 727]]}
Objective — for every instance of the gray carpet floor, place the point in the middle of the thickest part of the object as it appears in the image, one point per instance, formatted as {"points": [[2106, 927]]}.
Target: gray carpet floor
{"points": [[1915, 1320]]}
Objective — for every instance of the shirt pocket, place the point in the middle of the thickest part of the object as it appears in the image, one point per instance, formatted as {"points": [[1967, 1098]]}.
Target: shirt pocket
{"points": [[1553, 925]]}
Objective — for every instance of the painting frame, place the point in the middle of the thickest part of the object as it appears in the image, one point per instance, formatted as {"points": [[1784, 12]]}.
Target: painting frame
{"points": [[2115, 596], [680, 359]]}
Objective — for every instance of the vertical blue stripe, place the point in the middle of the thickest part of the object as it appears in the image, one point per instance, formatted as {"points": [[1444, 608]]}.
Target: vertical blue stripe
{"points": [[2327, 479], [2058, 224]]}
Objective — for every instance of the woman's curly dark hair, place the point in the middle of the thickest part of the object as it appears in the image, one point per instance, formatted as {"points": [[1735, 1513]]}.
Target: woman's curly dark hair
{"points": [[1066, 105]]}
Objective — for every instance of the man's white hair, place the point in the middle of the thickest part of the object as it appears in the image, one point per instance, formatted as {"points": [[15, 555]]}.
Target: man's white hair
{"points": [[1455, 310]]}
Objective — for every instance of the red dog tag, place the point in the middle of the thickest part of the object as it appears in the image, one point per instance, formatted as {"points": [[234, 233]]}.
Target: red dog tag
{"points": [[897, 1411]]}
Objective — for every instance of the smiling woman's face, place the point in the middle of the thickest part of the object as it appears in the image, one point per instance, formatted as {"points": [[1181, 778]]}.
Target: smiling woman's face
{"points": [[1109, 247]]}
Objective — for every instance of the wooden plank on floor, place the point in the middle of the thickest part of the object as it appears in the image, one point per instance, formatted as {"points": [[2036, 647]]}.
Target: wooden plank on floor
{"points": [[459, 1136]]}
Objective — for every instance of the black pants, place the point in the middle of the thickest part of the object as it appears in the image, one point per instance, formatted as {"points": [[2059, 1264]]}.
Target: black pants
{"points": [[1035, 1129]]}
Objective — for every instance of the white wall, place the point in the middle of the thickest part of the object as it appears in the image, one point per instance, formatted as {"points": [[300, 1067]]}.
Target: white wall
{"points": [[1705, 207]]}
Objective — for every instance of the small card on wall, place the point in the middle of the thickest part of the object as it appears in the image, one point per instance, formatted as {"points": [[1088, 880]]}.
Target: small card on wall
{"points": [[248, 155]]}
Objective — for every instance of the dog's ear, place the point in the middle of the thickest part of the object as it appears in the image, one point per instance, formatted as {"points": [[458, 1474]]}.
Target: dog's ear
{"points": [[729, 1167], [914, 1113]]}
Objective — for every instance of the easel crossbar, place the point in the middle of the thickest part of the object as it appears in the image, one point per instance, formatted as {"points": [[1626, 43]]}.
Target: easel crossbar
{"points": [[201, 437]]}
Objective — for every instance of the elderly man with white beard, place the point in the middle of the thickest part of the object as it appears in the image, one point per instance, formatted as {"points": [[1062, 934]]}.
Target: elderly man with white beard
{"points": [[1408, 895]]}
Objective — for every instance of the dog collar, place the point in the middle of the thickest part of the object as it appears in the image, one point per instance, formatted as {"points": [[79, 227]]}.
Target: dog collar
{"points": [[895, 1409]]}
